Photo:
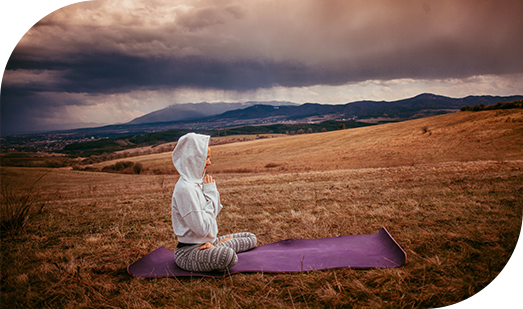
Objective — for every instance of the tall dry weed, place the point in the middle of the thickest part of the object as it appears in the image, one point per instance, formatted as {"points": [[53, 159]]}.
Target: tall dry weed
{"points": [[16, 205]]}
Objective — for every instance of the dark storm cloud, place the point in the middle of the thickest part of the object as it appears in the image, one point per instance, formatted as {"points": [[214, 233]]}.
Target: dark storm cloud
{"points": [[117, 47], [324, 42], [111, 73], [27, 111], [237, 47]]}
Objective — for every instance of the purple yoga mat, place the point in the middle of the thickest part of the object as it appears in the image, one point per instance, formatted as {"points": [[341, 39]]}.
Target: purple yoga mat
{"points": [[378, 250]]}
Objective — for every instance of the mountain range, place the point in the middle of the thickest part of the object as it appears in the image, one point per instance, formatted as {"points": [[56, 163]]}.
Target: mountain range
{"points": [[190, 111], [205, 116], [217, 115]]}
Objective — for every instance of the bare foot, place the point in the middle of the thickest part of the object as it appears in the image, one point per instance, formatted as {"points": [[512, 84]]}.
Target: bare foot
{"points": [[207, 245], [225, 239]]}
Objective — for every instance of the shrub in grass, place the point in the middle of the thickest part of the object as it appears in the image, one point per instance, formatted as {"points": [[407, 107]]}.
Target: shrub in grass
{"points": [[77, 167], [124, 167], [137, 167]]}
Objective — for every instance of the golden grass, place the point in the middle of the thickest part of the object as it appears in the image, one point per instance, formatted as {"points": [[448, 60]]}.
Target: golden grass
{"points": [[462, 137], [214, 141], [457, 212], [458, 222], [453, 137]]}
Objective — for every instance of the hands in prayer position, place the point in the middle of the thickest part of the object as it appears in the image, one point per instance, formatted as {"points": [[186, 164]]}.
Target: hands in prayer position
{"points": [[208, 179]]}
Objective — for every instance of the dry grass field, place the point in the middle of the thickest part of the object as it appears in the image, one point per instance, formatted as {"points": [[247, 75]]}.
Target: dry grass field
{"points": [[448, 188], [465, 136]]}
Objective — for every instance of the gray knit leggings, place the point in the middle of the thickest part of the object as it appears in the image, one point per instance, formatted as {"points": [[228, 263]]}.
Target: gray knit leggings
{"points": [[222, 257]]}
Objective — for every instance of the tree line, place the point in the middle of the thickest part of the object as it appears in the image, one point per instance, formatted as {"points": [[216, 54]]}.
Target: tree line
{"points": [[499, 105]]}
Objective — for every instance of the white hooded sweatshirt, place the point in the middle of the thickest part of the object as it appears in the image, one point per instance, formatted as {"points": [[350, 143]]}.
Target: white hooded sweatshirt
{"points": [[195, 205]]}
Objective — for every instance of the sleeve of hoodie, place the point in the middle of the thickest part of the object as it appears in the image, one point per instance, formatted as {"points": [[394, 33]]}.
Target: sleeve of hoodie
{"points": [[199, 211]]}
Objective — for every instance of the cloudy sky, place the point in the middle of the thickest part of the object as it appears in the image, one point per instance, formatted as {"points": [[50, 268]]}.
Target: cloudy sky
{"points": [[103, 62]]}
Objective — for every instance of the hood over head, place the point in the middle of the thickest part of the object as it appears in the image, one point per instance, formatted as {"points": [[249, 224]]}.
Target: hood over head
{"points": [[189, 156]]}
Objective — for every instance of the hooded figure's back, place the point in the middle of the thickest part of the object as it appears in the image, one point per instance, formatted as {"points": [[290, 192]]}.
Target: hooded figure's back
{"points": [[195, 205]]}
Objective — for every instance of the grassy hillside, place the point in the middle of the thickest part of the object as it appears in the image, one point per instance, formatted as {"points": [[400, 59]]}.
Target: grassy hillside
{"points": [[462, 137], [114, 144], [448, 189]]}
